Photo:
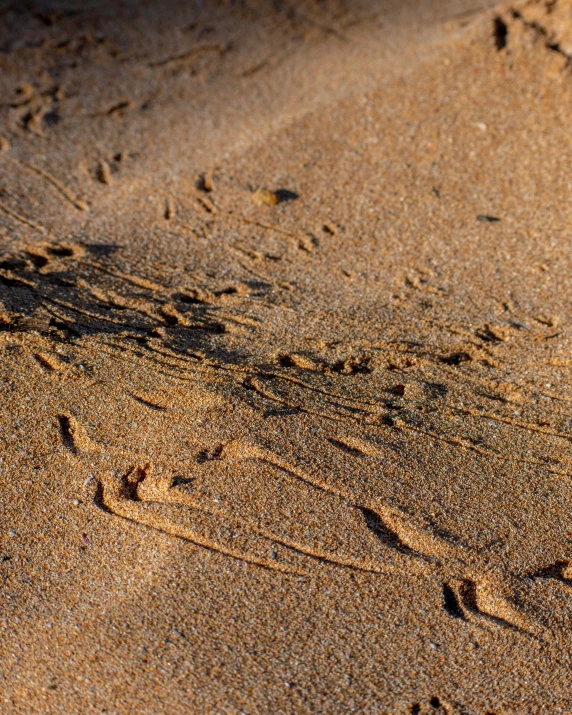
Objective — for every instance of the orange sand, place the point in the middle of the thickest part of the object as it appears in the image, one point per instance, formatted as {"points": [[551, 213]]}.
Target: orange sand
{"points": [[285, 354]]}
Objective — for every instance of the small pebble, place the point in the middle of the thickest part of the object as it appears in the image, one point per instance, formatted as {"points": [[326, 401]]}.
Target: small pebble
{"points": [[265, 196], [104, 173], [207, 183]]}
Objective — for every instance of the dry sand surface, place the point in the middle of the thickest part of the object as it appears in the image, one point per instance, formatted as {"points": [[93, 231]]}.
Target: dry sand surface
{"points": [[285, 304]]}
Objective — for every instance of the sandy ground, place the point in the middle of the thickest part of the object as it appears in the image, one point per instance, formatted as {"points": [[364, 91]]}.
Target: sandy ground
{"points": [[285, 354]]}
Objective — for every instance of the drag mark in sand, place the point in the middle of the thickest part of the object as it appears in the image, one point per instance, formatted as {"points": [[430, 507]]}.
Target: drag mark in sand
{"points": [[157, 500], [76, 202], [22, 219], [219, 49], [154, 500], [121, 498]]}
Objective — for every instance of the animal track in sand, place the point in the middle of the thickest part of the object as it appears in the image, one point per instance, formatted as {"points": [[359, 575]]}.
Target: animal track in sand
{"points": [[434, 706], [73, 434], [559, 571], [401, 387], [482, 601]]}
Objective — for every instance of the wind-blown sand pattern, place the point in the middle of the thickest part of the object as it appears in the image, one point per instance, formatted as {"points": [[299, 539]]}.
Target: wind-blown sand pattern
{"points": [[286, 416]]}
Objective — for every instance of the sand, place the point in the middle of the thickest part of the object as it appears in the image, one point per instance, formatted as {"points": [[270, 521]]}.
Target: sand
{"points": [[285, 357]]}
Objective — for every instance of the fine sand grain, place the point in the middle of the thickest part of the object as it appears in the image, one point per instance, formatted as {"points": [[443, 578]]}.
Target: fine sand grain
{"points": [[285, 303]]}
